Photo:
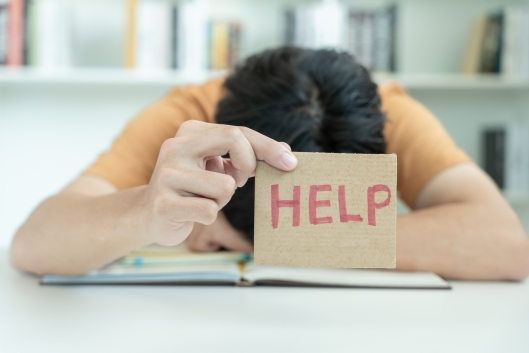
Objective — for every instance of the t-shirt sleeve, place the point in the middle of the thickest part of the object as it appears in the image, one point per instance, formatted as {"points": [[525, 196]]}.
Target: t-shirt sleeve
{"points": [[132, 157], [423, 147]]}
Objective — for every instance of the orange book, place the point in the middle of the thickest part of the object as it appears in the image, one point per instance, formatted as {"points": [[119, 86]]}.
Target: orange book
{"points": [[15, 34], [130, 39], [219, 45]]}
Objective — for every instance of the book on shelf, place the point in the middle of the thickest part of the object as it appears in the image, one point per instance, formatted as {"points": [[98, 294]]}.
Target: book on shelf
{"points": [[178, 266], [164, 35], [4, 27], [369, 35], [224, 43], [130, 34], [498, 43], [159, 35], [153, 35], [38, 33], [15, 33], [506, 157]]}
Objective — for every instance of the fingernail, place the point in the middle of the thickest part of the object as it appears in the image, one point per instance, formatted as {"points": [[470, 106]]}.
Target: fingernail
{"points": [[289, 160]]}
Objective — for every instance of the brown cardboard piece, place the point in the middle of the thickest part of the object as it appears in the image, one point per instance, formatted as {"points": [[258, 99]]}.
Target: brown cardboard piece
{"points": [[333, 211]]}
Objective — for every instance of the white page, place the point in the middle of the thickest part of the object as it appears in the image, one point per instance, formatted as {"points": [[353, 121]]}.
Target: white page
{"points": [[345, 277], [116, 273]]}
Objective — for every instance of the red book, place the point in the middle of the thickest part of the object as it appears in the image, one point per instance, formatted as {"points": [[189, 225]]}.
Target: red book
{"points": [[15, 33]]}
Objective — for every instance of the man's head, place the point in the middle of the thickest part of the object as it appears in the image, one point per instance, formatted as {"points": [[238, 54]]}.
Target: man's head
{"points": [[314, 100]]}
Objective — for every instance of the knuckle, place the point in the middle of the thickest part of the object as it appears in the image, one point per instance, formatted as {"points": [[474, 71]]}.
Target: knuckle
{"points": [[227, 185], [244, 129], [165, 174], [167, 146], [208, 211], [172, 147], [161, 206], [233, 133], [188, 125]]}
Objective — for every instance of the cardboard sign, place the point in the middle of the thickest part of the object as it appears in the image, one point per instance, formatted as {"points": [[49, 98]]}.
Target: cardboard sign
{"points": [[333, 211]]}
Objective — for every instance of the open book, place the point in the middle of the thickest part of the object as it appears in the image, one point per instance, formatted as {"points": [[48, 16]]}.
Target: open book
{"points": [[177, 266]]}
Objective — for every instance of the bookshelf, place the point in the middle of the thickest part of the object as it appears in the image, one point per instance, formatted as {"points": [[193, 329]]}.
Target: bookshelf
{"points": [[73, 113], [104, 76], [117, 77]]}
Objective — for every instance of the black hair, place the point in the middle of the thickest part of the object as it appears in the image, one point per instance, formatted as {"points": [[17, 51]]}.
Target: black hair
{"points": [[314, 100]]}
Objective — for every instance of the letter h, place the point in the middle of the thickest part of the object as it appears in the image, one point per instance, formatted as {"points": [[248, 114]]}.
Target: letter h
{"points": [[277, 203]]}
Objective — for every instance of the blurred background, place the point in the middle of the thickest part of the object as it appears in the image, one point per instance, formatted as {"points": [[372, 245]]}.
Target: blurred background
{"points": [[73, 72]]}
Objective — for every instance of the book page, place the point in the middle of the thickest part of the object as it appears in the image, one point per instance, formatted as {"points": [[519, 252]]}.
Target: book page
{"points": [[342, 277]]}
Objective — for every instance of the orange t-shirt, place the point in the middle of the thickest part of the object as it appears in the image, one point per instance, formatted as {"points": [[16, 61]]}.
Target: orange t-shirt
{"points": [[422, 145]]}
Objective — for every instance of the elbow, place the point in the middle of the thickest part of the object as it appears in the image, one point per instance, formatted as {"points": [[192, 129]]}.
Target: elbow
{"points": [[22, 257], [26, 256], [520, 268], [19, 255], [517, 258]]}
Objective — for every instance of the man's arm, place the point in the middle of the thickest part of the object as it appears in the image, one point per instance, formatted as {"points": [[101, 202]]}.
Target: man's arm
{"points": [[462, 228], [90, 224]]}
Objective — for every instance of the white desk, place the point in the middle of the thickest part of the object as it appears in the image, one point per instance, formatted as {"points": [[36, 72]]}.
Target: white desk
{"points": [[473, 317]]}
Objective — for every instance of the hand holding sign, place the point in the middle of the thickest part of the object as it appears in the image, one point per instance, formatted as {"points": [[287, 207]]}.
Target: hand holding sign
{"points": [[334, 210]]}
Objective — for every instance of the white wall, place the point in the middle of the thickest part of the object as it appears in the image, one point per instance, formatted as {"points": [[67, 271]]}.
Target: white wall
{"points": [[48, 135]]}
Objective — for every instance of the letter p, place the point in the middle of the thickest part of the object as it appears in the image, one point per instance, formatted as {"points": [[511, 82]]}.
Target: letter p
{"points": [[372, 206]]}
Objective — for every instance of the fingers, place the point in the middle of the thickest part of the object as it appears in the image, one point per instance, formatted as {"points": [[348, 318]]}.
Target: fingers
{"points": [[191, 181], [191, 127], [174, 210], [244, 146], [272, 152], [215, 186], [225, 140], [215, 164]]}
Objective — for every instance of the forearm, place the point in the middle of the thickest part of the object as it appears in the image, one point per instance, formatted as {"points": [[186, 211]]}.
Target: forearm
{"points": [[72, 234], [463, 241]]}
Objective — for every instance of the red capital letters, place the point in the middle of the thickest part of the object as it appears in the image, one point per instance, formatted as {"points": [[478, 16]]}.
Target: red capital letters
{"points": [[277, 203], [372, 206], [314, 203], [344, 217]]}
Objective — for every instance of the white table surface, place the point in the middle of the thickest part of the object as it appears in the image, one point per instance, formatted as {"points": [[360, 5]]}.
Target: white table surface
{"points": [[473, 317]]}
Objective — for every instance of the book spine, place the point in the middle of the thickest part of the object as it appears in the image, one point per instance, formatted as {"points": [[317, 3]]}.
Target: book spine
{"points": [[174, 37], [153, 37], [367, 40], [32, 34], [524, 157], [393, 14], [165, 11], [210, 49], [290, 27], [25, 33], [355, 48], [494, 155], [235, 43], [382, 41], [3, 34], [499, 49], [523, 43], [472, 58], [15, 51], [491, 45], [220, 45], [512, 165], [130, 34], [299, 26], [193, 20], [509, 39]]}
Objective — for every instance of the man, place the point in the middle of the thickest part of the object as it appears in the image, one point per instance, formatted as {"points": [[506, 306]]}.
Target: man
{"points": [[152, 186]]}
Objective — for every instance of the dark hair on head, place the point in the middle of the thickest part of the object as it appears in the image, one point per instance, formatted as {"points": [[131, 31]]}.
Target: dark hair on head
{"points": [[314, 100]]}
